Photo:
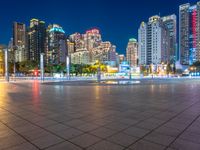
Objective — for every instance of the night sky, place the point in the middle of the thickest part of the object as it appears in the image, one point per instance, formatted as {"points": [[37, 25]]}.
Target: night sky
{"points": [[118, 20]]}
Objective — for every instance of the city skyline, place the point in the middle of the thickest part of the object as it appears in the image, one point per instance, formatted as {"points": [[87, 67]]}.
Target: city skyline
{"points": [[116, 16]]}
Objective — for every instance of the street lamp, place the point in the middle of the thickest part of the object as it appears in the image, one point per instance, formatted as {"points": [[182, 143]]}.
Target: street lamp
{"points": [[98, 71], [68, 67], [130, 65], [6, 65], [42, 67]]}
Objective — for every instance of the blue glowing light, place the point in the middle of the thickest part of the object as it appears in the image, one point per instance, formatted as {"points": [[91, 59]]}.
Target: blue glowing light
{"points": [[54, 29]]}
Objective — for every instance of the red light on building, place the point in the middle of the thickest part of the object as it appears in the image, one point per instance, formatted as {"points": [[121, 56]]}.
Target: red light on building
{"points": [[36, 72], [194, 27]]}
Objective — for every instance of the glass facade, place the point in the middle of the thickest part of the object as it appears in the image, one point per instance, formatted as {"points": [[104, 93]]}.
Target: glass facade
{"points": [[192, 34]]}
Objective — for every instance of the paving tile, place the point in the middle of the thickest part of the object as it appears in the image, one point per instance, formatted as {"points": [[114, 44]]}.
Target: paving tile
{"points": [[168, 131], [174, 125], [85, 140], [122, 139], [87, 127], [116, 126], [170, 148], [26, 128], [57, 127], [64, 146], [69, 133], [46, 123], [11, 141], [147, 125], [102, 121], [6, 132], [35, 134], [145, 145], [47, 141], [106, 113], [194, 129], [180, 144], [24, 146], [192, 137], [103, 132], [75, 122], [128, 121], [159, 138], [105, 145], [136, 132]]}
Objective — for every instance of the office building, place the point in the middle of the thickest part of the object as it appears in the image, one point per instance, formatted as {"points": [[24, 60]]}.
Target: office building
{"points": [[36, 39], [189, 33], [92, 39], [170, 24], [56, 51], [80, 57], [154, 42], [132, 52], [19, 42], [142, 44]]}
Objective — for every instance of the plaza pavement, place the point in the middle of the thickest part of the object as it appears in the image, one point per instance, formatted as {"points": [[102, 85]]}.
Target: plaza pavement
{"points": [[151, 115]]}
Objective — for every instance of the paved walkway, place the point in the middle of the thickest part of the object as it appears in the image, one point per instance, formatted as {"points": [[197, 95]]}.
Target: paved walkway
{"points": [[152, 115]]}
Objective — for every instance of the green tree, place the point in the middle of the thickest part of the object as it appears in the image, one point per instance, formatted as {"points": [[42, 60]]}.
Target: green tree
{"points": [[27, 66], [169, 68]]}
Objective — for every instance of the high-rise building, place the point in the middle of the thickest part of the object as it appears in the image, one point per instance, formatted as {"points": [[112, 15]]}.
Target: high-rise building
{"points": [[56, 51], [36, 39], [170, 23], [142, 44], [153, 42], [121, 58], [92, 39], [89, 48], [70, 47], [11, 51], [78, 41], [80, 57], [132, 52], [189, 33], [19, 42], [112, 56]]}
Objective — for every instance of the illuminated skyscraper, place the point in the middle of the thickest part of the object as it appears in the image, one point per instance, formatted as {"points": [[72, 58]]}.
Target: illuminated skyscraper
{"points": [[153, 42], [132, 52], [121, 58], [92, 39], [70, 47], [170, 24], [56, 52], [36, 39], [189, 33], [88, 48], [142, 44], [19, 42], [80, 57]]}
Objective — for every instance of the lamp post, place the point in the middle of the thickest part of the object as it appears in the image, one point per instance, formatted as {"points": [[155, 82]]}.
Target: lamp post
{"points": [[98, 72], [68, 67], [42, 67], [130, 65], [14, 63], [6, 65]]}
